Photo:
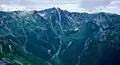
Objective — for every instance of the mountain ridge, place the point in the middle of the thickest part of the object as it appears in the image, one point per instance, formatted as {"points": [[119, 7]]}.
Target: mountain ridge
{"points": [[57, 8]]}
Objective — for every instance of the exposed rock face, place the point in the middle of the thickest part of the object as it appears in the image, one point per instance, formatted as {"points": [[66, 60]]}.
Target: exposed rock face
{"points": [[58, 37]]}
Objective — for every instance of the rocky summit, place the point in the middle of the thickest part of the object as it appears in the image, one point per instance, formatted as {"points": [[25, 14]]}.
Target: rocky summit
{"points": [[58, 37]]}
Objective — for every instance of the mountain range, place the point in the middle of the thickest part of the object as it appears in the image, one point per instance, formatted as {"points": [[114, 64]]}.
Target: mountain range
{"points": [[58, 37]]}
